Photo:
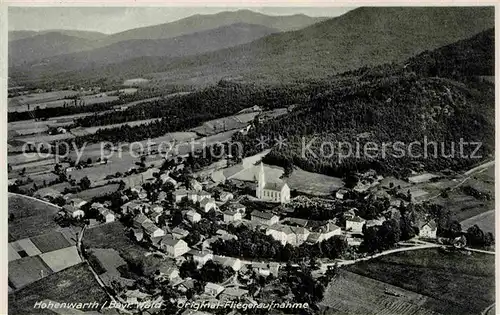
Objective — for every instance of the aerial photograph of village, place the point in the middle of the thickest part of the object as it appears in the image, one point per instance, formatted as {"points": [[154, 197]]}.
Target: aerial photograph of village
{"points": [[262, 160]]}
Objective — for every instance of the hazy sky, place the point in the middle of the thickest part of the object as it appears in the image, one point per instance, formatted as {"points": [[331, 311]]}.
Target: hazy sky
{"points": [[117, 19]]}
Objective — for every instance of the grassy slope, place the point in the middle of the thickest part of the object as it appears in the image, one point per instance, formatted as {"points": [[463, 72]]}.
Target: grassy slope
{"points": [[30, 218], [72, 285], [462, 284]]}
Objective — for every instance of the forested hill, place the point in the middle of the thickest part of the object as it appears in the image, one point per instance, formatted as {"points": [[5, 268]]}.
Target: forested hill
{"points": [[437, 94], [469, 57], [366, 36], [394, 102]]}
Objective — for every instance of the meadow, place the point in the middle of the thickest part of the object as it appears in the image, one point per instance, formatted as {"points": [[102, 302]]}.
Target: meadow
{"points": [[460, 283], [74, 284], [30, 217]]}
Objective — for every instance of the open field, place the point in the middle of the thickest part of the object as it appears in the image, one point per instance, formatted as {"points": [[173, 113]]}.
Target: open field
{"points": [[87, 100], [31, 217], [74, 284], [462, 284], [36, 98], [113, 235], [27, 270], [91, 130], [350, 293], [313, 183], [97, 192], [485, 221]]}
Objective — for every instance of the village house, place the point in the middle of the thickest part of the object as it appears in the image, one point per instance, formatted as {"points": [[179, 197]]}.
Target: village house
{"points": [[266, 269], [231, 216], [225, 196], [427, 229], [132, 206], [233, 293], [179, 195], [106, 215], [165, 178], [173, 247], [77, 202], [327, 231], [151, 230], [213, 289], [200, 195], [195, 185], [208, 204], [200, 257], [286, 234], [157, 208], [186, 285], [234, 263], [179, 233], [264, 218], [236, 206], [140, 219], [155, 217], [162, 196], [355, 225], [193, 216], [271, 191], [73, 212], [138, 234], [374, 222], [167, 271], [341, 194]]}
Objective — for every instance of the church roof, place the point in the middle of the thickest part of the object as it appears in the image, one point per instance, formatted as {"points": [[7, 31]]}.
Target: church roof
{"points": [[274, 186]]}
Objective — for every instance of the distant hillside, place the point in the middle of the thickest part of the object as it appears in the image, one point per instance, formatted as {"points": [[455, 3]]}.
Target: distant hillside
{"points": [[385, 104], [361, 37], [191, 44], [197, 23], [469, 57], [29, 49], [15, 35]]}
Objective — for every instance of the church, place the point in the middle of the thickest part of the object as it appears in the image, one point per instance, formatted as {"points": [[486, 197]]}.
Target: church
{"points": [[271, 191]]}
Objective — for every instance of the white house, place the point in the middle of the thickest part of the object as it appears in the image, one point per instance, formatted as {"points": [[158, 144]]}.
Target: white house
{"points": [[234, 263], [180, 194], [266, 269], [232, 216], [286, 234], [213, 289], [225, 196], [73, 212], [173, 247], [327, 231], [179, 233], [167, 271], [264, 218], [200, 257], [193, 216], [195, 185], [208, 204], [271, 191], [355, 224], [341, 194], [106, 214], [151, 230], [77, 202], [427, 229]]}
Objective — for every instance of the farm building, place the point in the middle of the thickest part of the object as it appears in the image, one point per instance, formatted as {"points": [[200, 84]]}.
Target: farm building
{"points": [[264, 218], [355, 224]]}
